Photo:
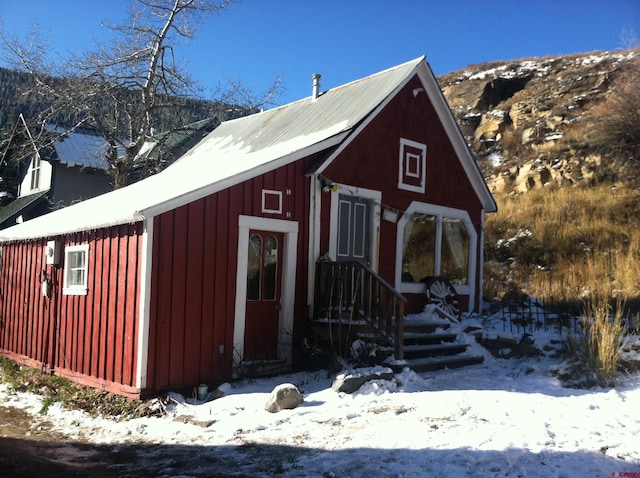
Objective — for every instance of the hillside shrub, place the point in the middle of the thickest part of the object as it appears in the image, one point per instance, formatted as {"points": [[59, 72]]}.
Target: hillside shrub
{"points": [[594, 354], [616, 120]]}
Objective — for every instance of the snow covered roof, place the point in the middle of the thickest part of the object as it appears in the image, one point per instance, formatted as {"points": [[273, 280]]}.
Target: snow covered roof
{"points": [[79, 148], [237, 150]]}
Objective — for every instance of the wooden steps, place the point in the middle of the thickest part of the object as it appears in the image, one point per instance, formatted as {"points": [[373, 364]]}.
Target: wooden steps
{"points": [[263, 368], [431, 346], [426, 346], [437, 363]]}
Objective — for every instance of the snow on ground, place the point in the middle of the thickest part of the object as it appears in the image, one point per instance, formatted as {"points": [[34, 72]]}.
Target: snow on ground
{"points": [[503, 418]]}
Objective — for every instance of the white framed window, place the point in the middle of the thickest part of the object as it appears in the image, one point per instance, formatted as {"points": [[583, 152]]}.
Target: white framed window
{"points": [[435, 241], [35, 172], [76, 259]]}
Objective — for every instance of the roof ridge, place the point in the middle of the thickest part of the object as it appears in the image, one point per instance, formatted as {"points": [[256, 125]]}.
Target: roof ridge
{"points": [[415, 61]]}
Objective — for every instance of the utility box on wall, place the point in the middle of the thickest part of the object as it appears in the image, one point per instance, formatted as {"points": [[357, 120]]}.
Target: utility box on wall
{"points": [[52, 252]]}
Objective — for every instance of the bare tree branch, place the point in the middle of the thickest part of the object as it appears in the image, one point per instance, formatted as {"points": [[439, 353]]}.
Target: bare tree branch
{"points": [[119, 89]]}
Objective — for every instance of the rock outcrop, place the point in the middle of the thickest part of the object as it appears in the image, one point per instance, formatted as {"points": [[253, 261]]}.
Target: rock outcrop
{"points": [[527, 120]]}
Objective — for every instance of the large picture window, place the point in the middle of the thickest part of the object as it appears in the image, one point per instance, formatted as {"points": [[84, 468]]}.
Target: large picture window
{"points": [[76, 260], [435, 241]]}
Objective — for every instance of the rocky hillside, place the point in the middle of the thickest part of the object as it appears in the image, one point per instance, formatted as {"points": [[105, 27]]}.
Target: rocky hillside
{"points": [[528, 120]]}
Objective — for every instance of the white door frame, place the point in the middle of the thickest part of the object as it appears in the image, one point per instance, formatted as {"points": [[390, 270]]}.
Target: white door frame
{"points": [[287, 298]]}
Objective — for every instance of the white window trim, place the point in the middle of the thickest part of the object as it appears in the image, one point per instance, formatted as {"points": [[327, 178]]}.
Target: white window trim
{"points": [[439, 211], [421, 166], [75, 289], [271, 192]]}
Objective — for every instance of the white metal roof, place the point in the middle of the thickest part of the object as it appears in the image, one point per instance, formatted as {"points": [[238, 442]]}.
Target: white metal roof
{"points": [[235, 151]]}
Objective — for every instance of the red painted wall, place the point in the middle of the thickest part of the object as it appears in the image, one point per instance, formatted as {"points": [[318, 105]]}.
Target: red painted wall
{"points": [[91, 338], [194, 277]]}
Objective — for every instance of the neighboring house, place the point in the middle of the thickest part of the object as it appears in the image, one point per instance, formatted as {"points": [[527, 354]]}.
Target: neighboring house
{"points": [[163, 149], [228, 256], [70, 169]]}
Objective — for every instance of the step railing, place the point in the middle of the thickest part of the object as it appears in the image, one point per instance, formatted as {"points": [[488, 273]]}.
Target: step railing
{"points": [[350, 292]]}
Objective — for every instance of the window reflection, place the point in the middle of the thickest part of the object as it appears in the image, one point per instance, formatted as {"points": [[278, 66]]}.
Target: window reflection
{"points": [[270, 268], [419, 251], [455, 251], [254, 261], [425, 237]]}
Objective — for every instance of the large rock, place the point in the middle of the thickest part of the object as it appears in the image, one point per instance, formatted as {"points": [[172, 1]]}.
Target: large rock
{"points": [[283, 397], [349, 382]]}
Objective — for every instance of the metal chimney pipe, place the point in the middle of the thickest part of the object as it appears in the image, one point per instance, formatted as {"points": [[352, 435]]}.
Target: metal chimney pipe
{"points": [[316, 85]]}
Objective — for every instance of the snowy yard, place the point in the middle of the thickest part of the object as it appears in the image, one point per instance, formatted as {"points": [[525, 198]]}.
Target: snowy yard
{"points": [[503, 418]]}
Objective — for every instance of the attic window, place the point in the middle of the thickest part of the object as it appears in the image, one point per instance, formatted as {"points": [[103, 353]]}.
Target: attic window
{"points": [[412, 166], [76, 260], [35, 172]]}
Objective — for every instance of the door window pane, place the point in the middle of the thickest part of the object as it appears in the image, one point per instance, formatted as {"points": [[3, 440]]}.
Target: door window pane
{"points": [[254, 263], [360, 231], [270, 268], [344, 229]]}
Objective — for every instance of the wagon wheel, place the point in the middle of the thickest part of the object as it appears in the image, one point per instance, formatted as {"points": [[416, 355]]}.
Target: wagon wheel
{"points": [[442, 294]]}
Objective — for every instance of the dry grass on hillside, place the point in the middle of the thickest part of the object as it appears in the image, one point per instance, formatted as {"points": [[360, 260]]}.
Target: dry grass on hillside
{"points": [[565, 243]]}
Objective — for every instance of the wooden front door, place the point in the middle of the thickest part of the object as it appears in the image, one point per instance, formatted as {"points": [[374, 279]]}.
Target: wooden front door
{"points": [[354, 229], [264, 290]]}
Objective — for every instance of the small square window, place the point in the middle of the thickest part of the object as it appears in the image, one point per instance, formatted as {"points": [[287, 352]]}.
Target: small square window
{"points": [[75, 269]]}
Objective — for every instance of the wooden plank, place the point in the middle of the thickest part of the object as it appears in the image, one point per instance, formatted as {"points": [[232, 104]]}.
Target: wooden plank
{"points": [[131, 308], [209, 344], [178, 298], [122, 238], [234, 211], [194, 293], [105, 279], [223, 327], [110, 315], [162, 277], [93, 347]]}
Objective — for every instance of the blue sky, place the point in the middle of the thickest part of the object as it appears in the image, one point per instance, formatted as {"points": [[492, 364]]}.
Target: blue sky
{"points": [[256, 40]]}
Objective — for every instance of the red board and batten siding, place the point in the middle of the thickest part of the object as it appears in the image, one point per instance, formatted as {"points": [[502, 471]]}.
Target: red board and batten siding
{"points": [[193, 279], [92, 338]]}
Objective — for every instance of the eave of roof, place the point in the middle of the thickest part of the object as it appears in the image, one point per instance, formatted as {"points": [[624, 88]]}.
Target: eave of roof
{"points": [[19, 205]]}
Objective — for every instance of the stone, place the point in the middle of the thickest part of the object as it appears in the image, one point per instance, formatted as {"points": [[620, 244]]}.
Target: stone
{"points": [[284, 397], [353, 380]]}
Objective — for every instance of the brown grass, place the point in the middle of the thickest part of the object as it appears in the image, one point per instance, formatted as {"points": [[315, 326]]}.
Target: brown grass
{"points": [[572, 243]]}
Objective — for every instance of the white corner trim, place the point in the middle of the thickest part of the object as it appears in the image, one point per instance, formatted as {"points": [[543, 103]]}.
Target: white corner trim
{"points": [[142, 359]]}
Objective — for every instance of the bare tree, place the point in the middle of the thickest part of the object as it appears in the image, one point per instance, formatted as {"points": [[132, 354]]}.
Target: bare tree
{"points": [[119, 89], [615, 122]]}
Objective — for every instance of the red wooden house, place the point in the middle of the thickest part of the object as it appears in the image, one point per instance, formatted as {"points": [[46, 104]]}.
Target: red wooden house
{"points": [[183, 277]]}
